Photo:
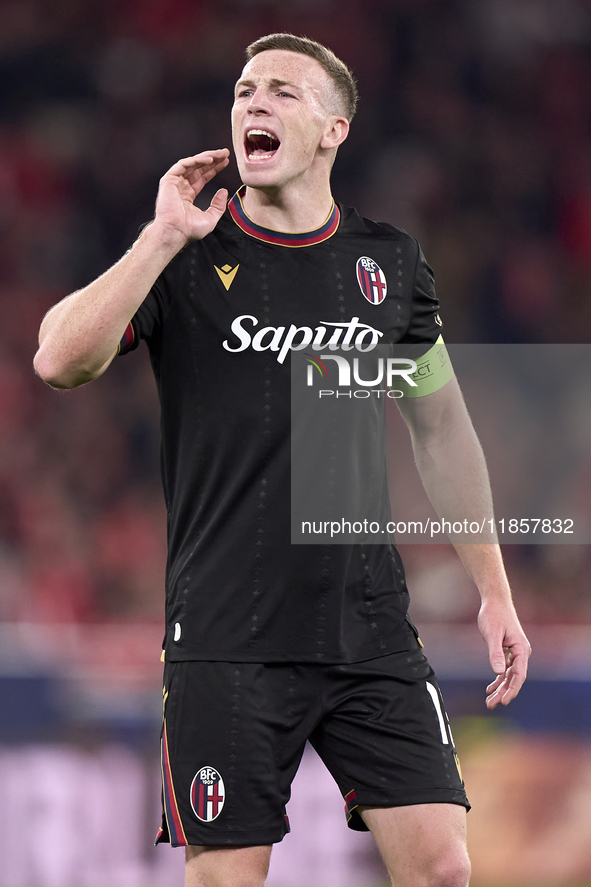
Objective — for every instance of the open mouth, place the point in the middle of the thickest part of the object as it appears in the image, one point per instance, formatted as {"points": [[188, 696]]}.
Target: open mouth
{"points": [[260, 144]]}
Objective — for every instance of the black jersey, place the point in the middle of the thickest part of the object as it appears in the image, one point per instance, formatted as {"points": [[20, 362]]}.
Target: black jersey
{"points": [[219, 323]]}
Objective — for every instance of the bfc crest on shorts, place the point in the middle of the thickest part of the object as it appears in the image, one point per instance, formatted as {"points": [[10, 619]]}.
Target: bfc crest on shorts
{"points": [[207, 794], [371, 280]]}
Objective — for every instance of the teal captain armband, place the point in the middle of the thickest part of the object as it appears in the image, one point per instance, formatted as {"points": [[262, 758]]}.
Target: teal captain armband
{"points": [[434, 370]]}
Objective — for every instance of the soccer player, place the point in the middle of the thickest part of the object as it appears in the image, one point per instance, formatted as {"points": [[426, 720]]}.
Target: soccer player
{"points": [[270, 644]]}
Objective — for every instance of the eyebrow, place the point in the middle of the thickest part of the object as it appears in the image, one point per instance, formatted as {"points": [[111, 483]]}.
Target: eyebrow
{"points": [[273, 83]]}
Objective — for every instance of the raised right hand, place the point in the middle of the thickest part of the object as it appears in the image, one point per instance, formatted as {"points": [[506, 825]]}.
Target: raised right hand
{"points": [[176, 217]]}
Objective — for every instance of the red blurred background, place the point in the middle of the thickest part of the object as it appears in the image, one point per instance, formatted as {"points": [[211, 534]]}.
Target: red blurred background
{"points": [[474, 134]]}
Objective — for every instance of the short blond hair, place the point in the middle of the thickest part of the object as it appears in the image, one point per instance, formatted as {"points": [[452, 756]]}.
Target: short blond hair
{"points": [[339, 73]]}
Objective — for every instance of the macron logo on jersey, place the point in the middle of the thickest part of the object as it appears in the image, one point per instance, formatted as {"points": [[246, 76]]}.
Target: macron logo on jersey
{"points": [[345, 335], [227, 274]]}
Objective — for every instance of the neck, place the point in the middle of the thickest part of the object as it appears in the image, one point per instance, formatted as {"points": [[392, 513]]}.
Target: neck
{"points": [[280, 210]]}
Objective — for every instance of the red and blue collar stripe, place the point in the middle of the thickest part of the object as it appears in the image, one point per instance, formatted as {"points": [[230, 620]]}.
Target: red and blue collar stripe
{"points": [[281, 238]]}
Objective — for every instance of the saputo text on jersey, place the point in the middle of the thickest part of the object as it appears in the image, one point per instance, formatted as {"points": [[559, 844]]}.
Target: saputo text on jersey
{"points": [[344, 336]]}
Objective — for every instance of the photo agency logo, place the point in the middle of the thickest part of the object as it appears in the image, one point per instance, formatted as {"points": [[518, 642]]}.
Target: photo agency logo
{"points": [[341, 436], [362, 377]]}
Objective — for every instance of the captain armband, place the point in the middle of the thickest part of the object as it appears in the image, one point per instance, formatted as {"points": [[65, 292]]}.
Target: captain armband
{"points": [[434, 370]]}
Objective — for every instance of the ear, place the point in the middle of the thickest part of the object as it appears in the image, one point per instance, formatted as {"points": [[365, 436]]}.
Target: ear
{"points": [[335, 134]]}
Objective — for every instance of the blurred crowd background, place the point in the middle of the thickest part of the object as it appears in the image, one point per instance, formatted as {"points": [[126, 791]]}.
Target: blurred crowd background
{"points": [[473, 133]]}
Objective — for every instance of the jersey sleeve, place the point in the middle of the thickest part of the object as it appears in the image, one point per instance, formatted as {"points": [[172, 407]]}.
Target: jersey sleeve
{"points": [[425, 322], [148, 319]]}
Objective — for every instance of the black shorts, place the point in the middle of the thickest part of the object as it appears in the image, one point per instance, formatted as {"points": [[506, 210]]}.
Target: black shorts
{"points": [[234, 734]]}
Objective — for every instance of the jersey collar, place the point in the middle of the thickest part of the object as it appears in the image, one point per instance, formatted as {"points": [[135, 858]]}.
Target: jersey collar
{"points": [[281, 238]]}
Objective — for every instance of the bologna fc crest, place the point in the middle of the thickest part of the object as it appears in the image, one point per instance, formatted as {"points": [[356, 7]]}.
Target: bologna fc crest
{"points": [[207, 794], [371, 280]]}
